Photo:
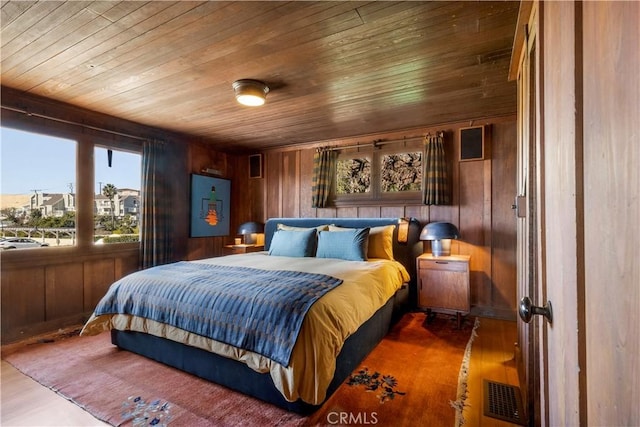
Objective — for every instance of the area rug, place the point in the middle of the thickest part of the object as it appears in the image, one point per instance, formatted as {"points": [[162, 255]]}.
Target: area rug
{"points": [[409, 379], [426, 361]]}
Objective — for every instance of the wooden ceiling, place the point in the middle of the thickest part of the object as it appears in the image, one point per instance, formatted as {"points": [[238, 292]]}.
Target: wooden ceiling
{"points": [[335, 68]]}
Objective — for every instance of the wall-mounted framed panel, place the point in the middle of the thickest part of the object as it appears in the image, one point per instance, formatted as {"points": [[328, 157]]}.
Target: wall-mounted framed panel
{"points": [[255, 166], [474, 143]]}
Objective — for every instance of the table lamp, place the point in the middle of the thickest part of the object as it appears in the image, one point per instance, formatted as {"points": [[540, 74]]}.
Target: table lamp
{"points": [[440, 235], [249, 230]]}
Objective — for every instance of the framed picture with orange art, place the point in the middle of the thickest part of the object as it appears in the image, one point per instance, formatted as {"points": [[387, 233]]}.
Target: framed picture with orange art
{"points": [[210, 206]]}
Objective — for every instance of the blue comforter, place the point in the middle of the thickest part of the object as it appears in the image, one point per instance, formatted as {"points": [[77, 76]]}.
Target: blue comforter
{"points": [[253, 309]]}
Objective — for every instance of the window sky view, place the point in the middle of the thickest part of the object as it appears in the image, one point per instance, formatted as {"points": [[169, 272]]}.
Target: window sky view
{"points": [[31, 161]]}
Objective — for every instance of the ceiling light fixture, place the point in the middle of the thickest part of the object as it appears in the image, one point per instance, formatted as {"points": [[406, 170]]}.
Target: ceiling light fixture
{"points": [[250, 92]]}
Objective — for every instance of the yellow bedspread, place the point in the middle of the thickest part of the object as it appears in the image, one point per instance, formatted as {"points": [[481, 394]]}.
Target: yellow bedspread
{"points": [[367, 286]]}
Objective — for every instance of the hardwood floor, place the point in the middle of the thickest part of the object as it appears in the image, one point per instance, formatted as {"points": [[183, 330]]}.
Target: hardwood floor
{"points": [[492, 358], [26, 403]]}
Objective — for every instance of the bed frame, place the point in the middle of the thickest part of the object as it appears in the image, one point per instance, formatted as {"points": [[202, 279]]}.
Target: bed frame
{"points": [[236, 375]]}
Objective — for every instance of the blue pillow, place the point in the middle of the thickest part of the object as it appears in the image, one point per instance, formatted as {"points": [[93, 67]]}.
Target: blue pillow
{"points": [[351, 245], [293, 243]]}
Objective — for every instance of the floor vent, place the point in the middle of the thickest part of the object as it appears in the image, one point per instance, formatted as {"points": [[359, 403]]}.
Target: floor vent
{"points": [[503, 401]]}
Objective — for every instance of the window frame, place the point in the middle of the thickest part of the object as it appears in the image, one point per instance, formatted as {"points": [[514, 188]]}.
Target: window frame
{"points": [[86, 140], [376, 196]]}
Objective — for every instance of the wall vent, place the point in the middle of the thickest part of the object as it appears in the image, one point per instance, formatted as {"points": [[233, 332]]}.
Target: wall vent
{"points": [[503, 401]]}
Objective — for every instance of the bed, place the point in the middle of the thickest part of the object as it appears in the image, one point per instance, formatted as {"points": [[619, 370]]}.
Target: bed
{"points": [[352, 295]]}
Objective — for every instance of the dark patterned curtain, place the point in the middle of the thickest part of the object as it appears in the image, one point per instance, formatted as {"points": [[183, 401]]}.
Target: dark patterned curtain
{"points": [[436, 189], [155, 238], [324, 166]]}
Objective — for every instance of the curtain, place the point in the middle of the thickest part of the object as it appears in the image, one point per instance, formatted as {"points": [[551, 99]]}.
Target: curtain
{"points": [[436, 191], [155, 231], [324, 165]]}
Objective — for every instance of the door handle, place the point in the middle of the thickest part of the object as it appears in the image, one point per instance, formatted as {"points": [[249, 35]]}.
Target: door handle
{"points": [[527, 310]]}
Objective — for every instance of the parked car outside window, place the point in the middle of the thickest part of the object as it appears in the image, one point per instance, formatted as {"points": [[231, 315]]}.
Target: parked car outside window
{"points": [[20, 243]]}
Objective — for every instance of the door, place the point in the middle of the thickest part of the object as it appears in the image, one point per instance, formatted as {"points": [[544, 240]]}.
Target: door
{"points": [[582, 225], [525, 205], [560, 215], [549, 226]]}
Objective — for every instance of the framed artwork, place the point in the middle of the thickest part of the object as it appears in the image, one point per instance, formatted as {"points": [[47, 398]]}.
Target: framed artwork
{"points": [[210, 206]]}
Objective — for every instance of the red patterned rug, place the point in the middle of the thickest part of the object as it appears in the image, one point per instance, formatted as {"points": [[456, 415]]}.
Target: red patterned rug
{"points": [[410, 379]]}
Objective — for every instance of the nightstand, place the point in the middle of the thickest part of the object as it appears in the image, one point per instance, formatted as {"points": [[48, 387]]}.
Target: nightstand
{"points": [[241, 249], [443, 284]]}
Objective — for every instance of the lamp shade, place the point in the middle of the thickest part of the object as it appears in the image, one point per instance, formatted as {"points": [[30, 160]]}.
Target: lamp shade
{"points": [[440, 234], [439, 231], [251, 93], [251, 227]]}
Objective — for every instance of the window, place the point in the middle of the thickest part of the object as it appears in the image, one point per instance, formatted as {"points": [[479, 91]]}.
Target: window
{"points": [[40, 198], [389, 175], [37, 188], [401, 172], [353, 175], [117, 196]]}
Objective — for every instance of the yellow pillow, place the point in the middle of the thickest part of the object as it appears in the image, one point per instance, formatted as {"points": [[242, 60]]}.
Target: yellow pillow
{"points": [[292, 228], [380, 240]]}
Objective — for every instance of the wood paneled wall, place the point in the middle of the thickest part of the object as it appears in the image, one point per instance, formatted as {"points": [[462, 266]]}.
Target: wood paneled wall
{"points": [[482, 195], [42, 293]]}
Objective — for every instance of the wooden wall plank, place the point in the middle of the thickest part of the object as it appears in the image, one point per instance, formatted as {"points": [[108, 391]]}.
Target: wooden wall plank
{"points": [[503, 218], [327, 212], [125, 266], [291, 183], [23, 299], [306, 180], [369, 212], [64, 291], [273, 200], [472, 232], [349, 212], [98, 275], [392, 211]]}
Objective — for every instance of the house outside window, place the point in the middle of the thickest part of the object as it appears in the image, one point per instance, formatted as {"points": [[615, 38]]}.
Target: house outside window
{"points": [[117, 198], [37, 189], [37, 198]]}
